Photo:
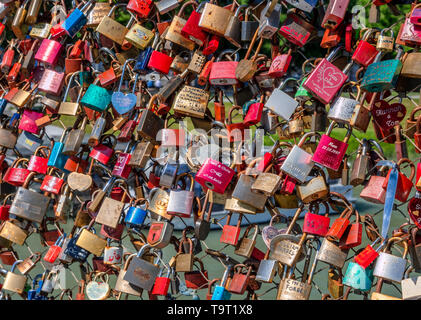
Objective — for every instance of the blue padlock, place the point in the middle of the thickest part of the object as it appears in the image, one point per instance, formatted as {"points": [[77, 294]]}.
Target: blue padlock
{"points": [[358, 278], [77, 19], [74, 250], [136, 215], [141, 64], [3, 104], [220, 292], [58, 159], [32, 293]]}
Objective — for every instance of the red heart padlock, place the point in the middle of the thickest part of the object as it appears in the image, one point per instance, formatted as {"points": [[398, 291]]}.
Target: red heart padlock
{"points": [[388, 116]]}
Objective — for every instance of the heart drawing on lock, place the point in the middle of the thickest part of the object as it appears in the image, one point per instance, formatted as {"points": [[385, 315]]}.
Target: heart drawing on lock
{"points": [[387, 116], [331, 78], [79, 181], [97, 290], [123, 103]]}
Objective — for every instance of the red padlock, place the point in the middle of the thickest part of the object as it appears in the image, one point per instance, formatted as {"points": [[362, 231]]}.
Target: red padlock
{"points": [[230, 234], [316, 224], [7, 61], [162, 284], [16, 176], [191, 29], [141, 8], [254, 113], [368, 255], [154, 179], [235, 131], [223, 72], [280, 65], [331, 38], [352, 236], [365, 53], [102, 152], [160, 62], [296, 30], [404, 186], [335, 13], [240, 280], [197, 279], [4, 209], [54, 251], [37, 163], [121, 168], [212, 45], [417, 136], [52, 184]]}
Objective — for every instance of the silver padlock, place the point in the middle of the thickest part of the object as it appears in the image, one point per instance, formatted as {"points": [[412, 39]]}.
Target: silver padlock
{"points": [[233, 31], [411, 287], [281, 103], [267, 269], [304, 5], [180, 202], [298, 163], [343, 108], [269, 25], [165, 6], [388, 266], [168, 175]]}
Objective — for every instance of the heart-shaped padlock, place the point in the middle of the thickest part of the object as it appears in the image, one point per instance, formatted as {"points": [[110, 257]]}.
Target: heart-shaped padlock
{"points": [[79, 181], [414, 210], [96, 290], [387, 116], [124, 103]]}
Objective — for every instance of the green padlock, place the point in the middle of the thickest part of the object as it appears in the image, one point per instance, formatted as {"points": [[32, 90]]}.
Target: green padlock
{"points": [[96, 98]]}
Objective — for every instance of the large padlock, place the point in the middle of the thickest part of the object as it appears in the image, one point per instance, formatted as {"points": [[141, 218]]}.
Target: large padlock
{"points": [[181, 201], [388, 266], [14, 282]]}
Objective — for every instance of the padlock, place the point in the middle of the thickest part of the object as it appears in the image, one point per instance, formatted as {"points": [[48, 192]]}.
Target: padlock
{"points": [[191, 101], [215, 19], [220, 292], [357, 277], [330, 152], [214, 175], [296, 30], [110, 210], [333, 79], [230, 234], [162, 283], [410, 286], [180, 202], [74, 137], [335, 14], [223, 72], [314, 189], [29, 204], [160, 233], [281, 103], [38, 163], [89, 241], [139, 36], [16, 176], [196, 279], [331, 254], [136, 215], [54, 251], [246, 245], [150, 123], [233, 30], [269, 19], [388, 266], [140, 272], [14, 282], [385, 43], [112, 29], [404, 184], [191, 29], [184, 261], [141, 8], [240, 280]]}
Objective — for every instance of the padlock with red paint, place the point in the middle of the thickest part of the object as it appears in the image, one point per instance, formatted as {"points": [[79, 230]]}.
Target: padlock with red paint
{"points": [[191, 29], [368, 255], [52, 184], [154, 178], [16, 176], [316, 224], [335, 13], [103, 152], [340, 225], [230, 234], [365, 53], [121, 168], [214, 175], [211, 45], [55, 250], [263, 164], [141, 8], [330, 151], [331, 38], [254, 113], [160, 61], [235, 131], [296, 30], [38, 163], [288, 185], [326, 79], [405, 184], [280, 64], [352, 236], [417, 135], [171, 137], [223, 72], [7, 60], [14, 71], [4, 209], [162, 283]]}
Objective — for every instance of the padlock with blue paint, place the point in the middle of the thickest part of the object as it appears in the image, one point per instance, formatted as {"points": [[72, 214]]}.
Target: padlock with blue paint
{"points": [[220, 292], [74, 250], [96, 98], [358, 278], [77, 19], [124, 103], [136, 215], [56, 158]]}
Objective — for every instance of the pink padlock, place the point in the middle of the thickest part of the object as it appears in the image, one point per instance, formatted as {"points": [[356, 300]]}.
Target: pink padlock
{"points": [[214, 175], [280, 64], [416, 17], [326, 79], [27, 121], [49, 52], [330, 151], [52, 82]]}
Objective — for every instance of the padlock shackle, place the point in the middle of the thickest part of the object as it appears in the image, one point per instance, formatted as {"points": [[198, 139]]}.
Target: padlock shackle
{"points": [[411, 164]]}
